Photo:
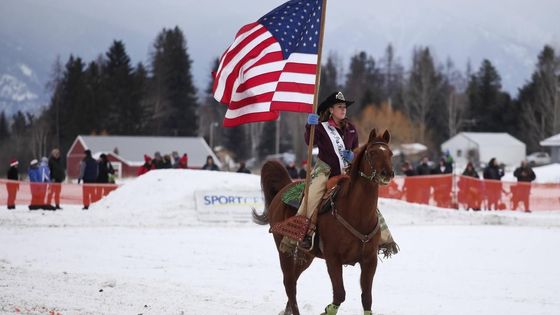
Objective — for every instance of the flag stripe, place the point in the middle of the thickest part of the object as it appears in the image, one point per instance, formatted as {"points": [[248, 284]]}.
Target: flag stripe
{"points": [[253, 43], [271, 66]]}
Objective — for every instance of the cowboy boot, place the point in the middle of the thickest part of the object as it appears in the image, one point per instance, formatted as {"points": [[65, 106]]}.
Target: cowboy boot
{"points": [[331, 309], [307, 242]]}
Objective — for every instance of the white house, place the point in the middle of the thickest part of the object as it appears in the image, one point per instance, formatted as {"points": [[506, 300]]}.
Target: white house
{"points": [[480, 147], [554, 144]]}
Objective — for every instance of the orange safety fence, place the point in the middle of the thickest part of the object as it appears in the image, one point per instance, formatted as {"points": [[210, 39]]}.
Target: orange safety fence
{"points": [[446, 191], [462, 192], [26, 193]]}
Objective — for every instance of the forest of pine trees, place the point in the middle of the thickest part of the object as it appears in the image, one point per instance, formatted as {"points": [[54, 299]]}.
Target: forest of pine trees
{"points": [[427, 102]]}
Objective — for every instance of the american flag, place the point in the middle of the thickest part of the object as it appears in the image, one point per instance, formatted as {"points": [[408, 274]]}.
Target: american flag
{"points": [[271, 65]]}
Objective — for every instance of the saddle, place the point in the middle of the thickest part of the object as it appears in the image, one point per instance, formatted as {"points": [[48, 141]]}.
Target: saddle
{"points": [[297, 226], [293, 197]]}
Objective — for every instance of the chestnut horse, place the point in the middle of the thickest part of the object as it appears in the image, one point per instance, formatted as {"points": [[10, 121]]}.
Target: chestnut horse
{"points": [[348, 234]]}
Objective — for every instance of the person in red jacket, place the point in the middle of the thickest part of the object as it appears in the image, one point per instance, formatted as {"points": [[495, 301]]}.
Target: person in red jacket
{"points": [[146, 167]]}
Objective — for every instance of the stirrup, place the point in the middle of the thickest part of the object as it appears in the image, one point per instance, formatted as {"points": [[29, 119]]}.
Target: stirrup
{"points": [[308, 242]]}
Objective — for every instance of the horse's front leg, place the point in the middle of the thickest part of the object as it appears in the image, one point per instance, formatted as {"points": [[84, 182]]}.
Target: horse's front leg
{"points": [[339, 294], [368, 267]]}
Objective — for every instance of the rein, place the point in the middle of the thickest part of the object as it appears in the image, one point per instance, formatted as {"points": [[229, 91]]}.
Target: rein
{"points": [[373, 176]]}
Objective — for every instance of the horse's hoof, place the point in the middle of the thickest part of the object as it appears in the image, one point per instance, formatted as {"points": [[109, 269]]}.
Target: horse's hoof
{"points": [[331, 309]]}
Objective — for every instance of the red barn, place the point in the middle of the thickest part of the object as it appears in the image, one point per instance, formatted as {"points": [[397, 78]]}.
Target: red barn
{"points": [[126, 153]]}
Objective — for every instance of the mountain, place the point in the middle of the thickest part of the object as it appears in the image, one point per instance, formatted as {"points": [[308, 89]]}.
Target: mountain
{"points": [[22, 80]]}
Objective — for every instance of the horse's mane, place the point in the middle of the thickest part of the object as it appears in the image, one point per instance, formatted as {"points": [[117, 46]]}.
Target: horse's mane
{"points": [[354, 170]]}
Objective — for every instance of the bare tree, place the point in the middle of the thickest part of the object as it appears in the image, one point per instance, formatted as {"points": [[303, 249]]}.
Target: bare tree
{"points": [[424, 84]]}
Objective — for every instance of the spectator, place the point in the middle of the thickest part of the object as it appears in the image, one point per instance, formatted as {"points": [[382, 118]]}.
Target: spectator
{"points": [[45, 179], [58, 175], [424, 167], [292, 170], [146, 167], [35, 185], [470, 171], [12, 186], [303, 170], [409, 188], [442, 168], [176, 159], [423, 186], [470, 189], [210, 165], [184, 161], [104, 176], [242, 168], [493, 172], [522, 190], [407, 169], [88, 174], [166, 162], [442, 184], [157, 162]]}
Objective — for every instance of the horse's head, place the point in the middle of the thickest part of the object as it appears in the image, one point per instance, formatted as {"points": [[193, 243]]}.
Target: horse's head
{"points": [[375, 160]]}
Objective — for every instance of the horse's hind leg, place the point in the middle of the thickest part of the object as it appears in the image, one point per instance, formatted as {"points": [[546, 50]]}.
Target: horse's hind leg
{"points": [[290, 283], [291, 271]]}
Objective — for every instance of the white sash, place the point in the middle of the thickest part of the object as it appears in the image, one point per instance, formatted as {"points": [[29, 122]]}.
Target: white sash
{"points": [[338, 144]]}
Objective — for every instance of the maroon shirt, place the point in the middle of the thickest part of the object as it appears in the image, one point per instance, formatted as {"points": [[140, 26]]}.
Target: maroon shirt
{"points": [[326, 150]]}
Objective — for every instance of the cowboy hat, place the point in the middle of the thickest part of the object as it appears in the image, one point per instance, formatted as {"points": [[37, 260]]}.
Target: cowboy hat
{"points": [[335, 98]]}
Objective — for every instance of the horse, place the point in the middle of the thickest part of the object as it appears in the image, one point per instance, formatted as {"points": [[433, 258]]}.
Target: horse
{"points": [[348, 235]]}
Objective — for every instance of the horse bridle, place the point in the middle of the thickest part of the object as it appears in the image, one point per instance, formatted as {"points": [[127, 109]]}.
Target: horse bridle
{"points": [[373, 176]]}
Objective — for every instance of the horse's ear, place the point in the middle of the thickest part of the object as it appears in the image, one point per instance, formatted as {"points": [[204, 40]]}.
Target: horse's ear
{"points": [[386, 136], [372, 135]]}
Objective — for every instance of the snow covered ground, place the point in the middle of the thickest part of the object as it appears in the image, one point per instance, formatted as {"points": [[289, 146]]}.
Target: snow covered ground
{"points": [[152, 248]]}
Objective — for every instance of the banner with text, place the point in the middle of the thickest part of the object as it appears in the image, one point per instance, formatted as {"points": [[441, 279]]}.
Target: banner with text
{"points": [[228, 205]]}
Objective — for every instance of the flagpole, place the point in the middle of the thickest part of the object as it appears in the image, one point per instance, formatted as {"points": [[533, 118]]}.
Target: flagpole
{"points": [[315, 100]]}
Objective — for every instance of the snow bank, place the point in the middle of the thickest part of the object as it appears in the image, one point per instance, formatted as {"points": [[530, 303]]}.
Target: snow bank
{"points": [[166, 198]]}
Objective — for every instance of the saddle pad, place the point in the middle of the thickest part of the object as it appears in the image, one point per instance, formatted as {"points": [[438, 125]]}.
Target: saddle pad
{"points": [[293, 196]]}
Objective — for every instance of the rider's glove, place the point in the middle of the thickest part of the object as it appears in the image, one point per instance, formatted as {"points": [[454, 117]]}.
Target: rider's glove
{"points": [[313, 119], [348, 155]]}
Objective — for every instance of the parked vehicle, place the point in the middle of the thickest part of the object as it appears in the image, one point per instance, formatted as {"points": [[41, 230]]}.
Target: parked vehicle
{"points": [[538, 158]]}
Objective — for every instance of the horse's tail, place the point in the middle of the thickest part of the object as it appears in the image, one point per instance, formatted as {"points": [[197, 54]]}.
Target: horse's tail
{"points": [[274, 177]]}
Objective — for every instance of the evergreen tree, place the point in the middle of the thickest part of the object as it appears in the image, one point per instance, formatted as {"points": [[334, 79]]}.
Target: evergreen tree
{"points": [[392, 73], [74, 108], [124, 115], [97, 107], [488, 105], [175, 107], [329, 78], [140, 93], [363, 82], [4, 128]]}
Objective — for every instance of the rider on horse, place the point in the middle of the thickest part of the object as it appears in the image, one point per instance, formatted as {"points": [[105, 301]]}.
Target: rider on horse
{"points": [[336, 138]]}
